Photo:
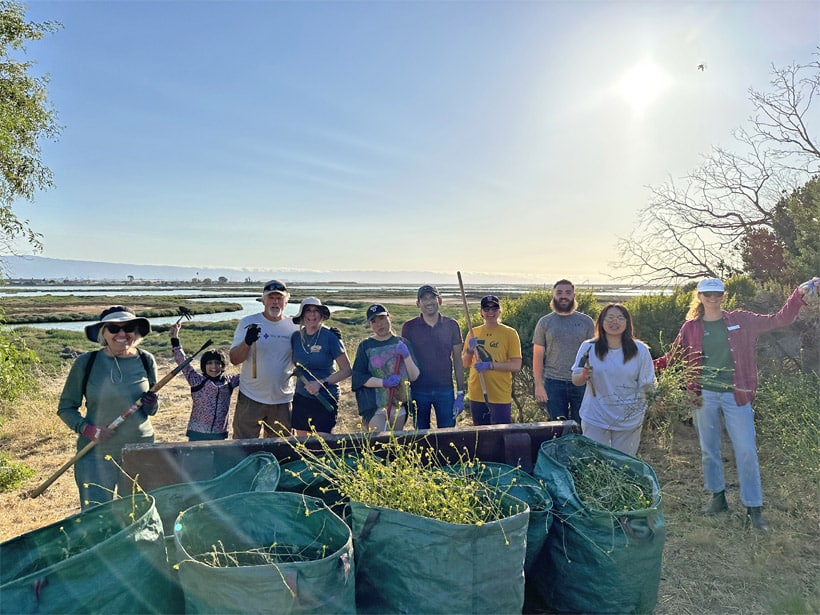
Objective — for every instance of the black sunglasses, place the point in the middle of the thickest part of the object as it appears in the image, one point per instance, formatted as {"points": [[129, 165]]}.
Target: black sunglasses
{"points": [[712, 293], [491, 308], [128, 328], [275, 286]]}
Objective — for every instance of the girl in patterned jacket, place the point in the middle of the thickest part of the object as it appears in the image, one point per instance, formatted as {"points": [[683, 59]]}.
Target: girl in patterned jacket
{"points": [[211, 391]]}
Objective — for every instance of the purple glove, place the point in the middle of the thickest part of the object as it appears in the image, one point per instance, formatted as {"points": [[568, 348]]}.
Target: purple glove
{"points": [[471, 344], [391, 381], [483, 366], [97, 433], [458, 404], [402, 350], [150, 402]]}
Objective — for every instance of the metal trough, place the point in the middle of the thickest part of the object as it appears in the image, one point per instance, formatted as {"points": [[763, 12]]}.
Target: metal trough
{"points": [[156, 465]]}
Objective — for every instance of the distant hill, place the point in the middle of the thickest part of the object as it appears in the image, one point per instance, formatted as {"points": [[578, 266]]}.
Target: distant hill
{"points": [[64, 270]]}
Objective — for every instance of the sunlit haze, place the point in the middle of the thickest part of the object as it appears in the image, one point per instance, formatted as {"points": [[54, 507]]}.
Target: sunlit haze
{"points": [[506, 138]]}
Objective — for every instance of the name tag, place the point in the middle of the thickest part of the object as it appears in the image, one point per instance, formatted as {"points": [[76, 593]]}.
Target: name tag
{"points": [[733, 328]]}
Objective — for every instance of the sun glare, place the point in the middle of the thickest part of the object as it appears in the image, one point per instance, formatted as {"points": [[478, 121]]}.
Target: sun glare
{"points": [[642, 85]]}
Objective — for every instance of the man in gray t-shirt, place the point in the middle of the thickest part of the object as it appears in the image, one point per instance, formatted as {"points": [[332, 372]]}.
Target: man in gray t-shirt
{"points": [[556, 340]]}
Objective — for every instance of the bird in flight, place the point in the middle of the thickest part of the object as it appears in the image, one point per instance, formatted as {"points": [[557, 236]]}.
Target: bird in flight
{"points": [[702, 66]]}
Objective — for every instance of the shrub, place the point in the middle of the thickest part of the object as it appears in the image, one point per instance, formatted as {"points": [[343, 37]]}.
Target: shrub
{"points": [[16, 373], [12, 473]]}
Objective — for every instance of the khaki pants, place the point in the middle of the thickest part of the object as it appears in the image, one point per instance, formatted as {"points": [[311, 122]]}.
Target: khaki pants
{"points": [[250, 415]]}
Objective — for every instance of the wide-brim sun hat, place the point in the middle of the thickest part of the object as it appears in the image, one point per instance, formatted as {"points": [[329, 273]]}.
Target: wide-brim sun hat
{"points": [[311, 301], [711, 285], [117, 314]]}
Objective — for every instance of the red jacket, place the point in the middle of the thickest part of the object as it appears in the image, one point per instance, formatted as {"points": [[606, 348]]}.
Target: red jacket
{"points": [[742, 328]]}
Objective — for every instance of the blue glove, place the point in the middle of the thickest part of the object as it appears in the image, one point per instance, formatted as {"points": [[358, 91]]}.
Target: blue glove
{"points": [[402, 350], [150, 402], [391, 381], [458, 404], [483, 366], [471, 344]]}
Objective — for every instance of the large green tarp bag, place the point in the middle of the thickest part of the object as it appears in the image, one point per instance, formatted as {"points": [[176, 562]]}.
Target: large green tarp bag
{"points": [[297, 477], [411, 564], [106, 559], [519, 484], [257, 472], [263, 552], [597, 561]]}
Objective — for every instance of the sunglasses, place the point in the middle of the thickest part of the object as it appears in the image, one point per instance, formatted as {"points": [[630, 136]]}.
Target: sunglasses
{"points": [[712, 293], [491, 308], [275, 286], [128, 328]]}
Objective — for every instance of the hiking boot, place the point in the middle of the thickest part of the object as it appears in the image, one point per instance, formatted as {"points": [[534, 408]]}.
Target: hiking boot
{"points": [[716, 505], [754, 517]]}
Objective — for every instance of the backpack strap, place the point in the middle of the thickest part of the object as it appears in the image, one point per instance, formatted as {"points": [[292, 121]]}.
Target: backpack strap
{"points": [[90, 365]]}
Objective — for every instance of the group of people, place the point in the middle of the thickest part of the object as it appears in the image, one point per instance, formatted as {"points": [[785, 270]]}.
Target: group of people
{"points": [[593, 372]]}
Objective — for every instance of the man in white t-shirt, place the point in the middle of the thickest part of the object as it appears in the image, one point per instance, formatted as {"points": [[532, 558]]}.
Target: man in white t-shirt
{"points": [[261, 344]]}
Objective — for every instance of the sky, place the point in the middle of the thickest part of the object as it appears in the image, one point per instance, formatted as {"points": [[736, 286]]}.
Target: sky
{"points": [[507, 138]]}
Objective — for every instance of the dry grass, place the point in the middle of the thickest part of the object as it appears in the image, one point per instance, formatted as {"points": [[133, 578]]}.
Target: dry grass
{"points": [[711, 565]]}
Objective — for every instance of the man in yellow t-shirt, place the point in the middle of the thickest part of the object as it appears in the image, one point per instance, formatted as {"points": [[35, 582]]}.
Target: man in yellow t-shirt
{"points": [[493, 353]]}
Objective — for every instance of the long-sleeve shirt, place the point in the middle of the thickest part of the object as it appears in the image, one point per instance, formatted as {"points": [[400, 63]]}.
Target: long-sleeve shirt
{"points": [[743, 328], [211, 398]]}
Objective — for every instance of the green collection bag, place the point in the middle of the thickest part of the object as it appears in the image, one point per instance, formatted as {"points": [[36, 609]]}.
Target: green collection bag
{"points": [[411, 564], [257, 472], [312, 569], [106, 559], [517, 483], [596, 561]]}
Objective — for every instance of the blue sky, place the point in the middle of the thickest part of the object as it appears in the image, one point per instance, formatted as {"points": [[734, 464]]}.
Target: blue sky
{"points": [[493, 137]]}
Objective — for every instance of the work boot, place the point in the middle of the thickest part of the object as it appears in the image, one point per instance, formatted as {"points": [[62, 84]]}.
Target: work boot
{"points": [[716, 505], [754, 517]]}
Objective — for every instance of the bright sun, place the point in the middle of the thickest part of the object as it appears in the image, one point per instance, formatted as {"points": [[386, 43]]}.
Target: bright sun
{"points": [[642, 85]]}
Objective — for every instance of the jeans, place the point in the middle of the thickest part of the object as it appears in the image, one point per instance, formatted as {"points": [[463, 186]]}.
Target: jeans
{"points": [[441, 400], [564, 399], [492, 414], [739, 422]]}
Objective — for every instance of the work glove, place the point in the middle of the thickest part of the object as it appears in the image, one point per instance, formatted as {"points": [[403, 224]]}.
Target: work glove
{"points": [[391, 381], [483, 366], [471, 344], [150, 402], [336, 331], [402, 350], [458, 404], [811, 287], [252, 334], [97, 433]]}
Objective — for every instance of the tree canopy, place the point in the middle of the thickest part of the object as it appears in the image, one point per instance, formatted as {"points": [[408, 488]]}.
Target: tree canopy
{"points": [[26, 117], [753, 207]]}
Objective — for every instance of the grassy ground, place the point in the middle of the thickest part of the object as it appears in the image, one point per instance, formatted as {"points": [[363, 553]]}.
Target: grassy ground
{"points": [[711, 565]]}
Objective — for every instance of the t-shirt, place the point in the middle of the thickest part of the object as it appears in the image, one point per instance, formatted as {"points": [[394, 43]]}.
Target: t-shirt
{"points": [[619, 401], [273, 383], [718, 369], [317, 353], [377, 358], [561, 335], [501, 343], [433, 350]]}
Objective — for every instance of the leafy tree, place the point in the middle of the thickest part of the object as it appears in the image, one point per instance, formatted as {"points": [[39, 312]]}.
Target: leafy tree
{"points": [[789, 251], [702, 225], [26, 116]]}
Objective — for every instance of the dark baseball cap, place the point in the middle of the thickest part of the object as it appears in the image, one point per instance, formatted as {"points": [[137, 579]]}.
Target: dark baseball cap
{"points": [[490, 301], [274, 286], [377, 309], [427, 288]]}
